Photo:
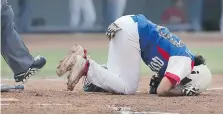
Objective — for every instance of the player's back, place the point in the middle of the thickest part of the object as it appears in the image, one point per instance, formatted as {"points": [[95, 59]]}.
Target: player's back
{"points": [[158, 44]]}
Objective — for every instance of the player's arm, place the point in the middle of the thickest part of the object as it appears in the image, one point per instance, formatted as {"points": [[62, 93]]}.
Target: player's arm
{"points": [[178, 68], [166, 88]]}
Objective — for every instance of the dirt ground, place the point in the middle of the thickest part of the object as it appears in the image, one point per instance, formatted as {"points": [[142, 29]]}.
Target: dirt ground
{"points": [[50, 95]]}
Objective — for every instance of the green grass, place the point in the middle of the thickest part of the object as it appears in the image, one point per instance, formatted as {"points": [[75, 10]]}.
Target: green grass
{"points": [[213, 57]]}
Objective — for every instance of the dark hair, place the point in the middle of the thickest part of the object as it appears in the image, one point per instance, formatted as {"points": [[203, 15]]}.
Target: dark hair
{"points": [[199, 59]]}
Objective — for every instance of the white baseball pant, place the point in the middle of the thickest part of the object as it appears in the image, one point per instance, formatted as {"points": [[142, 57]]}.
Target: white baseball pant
{"points": [[122, 75]]}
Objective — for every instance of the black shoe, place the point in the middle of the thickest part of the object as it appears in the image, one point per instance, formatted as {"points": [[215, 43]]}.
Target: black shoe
{"points": [[39, 62], [92, 88]]}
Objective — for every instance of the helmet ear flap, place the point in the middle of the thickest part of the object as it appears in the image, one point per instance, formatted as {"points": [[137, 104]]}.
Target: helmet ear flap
{"points": [[201, 76], [195, 72], [199, 59]]}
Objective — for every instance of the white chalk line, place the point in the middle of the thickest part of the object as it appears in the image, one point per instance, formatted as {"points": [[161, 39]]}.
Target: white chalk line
{"points": [[9, 99], [48, 79], [41, 104], [161, 113], [127, 110], [216, 88], [4, 104], [53, 104]]}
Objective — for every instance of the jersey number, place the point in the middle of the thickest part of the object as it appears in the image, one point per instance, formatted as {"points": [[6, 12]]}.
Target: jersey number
{"points": [[156, 64]]}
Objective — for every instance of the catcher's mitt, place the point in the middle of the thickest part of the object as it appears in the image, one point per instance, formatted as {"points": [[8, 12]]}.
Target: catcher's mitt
{"points": [[67, 63]]}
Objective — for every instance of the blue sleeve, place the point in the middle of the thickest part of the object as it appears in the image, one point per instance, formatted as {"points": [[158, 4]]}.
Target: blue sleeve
{"points": [[143, 22]]}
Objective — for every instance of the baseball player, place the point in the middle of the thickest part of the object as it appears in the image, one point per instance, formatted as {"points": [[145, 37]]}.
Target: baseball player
{"points": [[13, 49], [132, 37]]}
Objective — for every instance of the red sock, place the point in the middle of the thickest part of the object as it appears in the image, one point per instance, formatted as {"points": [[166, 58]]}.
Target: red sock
{"points": [[86, 67]]}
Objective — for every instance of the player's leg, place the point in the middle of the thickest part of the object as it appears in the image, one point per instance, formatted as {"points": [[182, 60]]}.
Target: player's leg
{"points": [[115, 9], [89, 13], [122, 75], [75, 12], [13, 49], [221, 26]]}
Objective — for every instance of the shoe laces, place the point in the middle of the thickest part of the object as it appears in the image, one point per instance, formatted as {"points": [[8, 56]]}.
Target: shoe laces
{"points": [[85, 81]]}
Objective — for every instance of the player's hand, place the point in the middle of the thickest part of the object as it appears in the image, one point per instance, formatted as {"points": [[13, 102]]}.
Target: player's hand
{"points": [[190, 90], [112, 29]]}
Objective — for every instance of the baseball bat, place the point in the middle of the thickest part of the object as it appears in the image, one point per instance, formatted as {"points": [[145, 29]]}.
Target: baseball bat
{"points": [[5, 88]]}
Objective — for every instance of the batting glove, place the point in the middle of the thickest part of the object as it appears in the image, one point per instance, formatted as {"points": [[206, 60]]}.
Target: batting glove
{"points": [[190, 90], [112, 29]]}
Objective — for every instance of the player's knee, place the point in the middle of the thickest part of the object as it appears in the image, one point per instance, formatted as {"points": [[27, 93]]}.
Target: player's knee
{"points": [[129, 92], [130, 89]]}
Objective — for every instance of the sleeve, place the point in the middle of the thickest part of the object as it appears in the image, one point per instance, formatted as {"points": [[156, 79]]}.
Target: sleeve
{"points": [[178, 68]]}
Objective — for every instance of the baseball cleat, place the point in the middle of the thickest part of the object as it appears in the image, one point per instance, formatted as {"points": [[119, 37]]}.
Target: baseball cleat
{"points": [[39, 62], [90, 87], [79, 70], [66, 64]]}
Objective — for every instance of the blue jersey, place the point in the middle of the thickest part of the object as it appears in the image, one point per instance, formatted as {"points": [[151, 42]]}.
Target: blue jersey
{"points": [[158, 44]]}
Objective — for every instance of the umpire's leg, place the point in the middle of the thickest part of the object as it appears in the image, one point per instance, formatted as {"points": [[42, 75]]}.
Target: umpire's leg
{"points": [[13, 49], [221, 26]]}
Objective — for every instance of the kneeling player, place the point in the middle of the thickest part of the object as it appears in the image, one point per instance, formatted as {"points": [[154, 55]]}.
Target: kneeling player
{"points": [[133, 37]]}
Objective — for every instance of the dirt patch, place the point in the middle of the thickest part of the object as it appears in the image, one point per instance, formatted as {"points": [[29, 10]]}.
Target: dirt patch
{"points": [[52, 41], [50, 96]]}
